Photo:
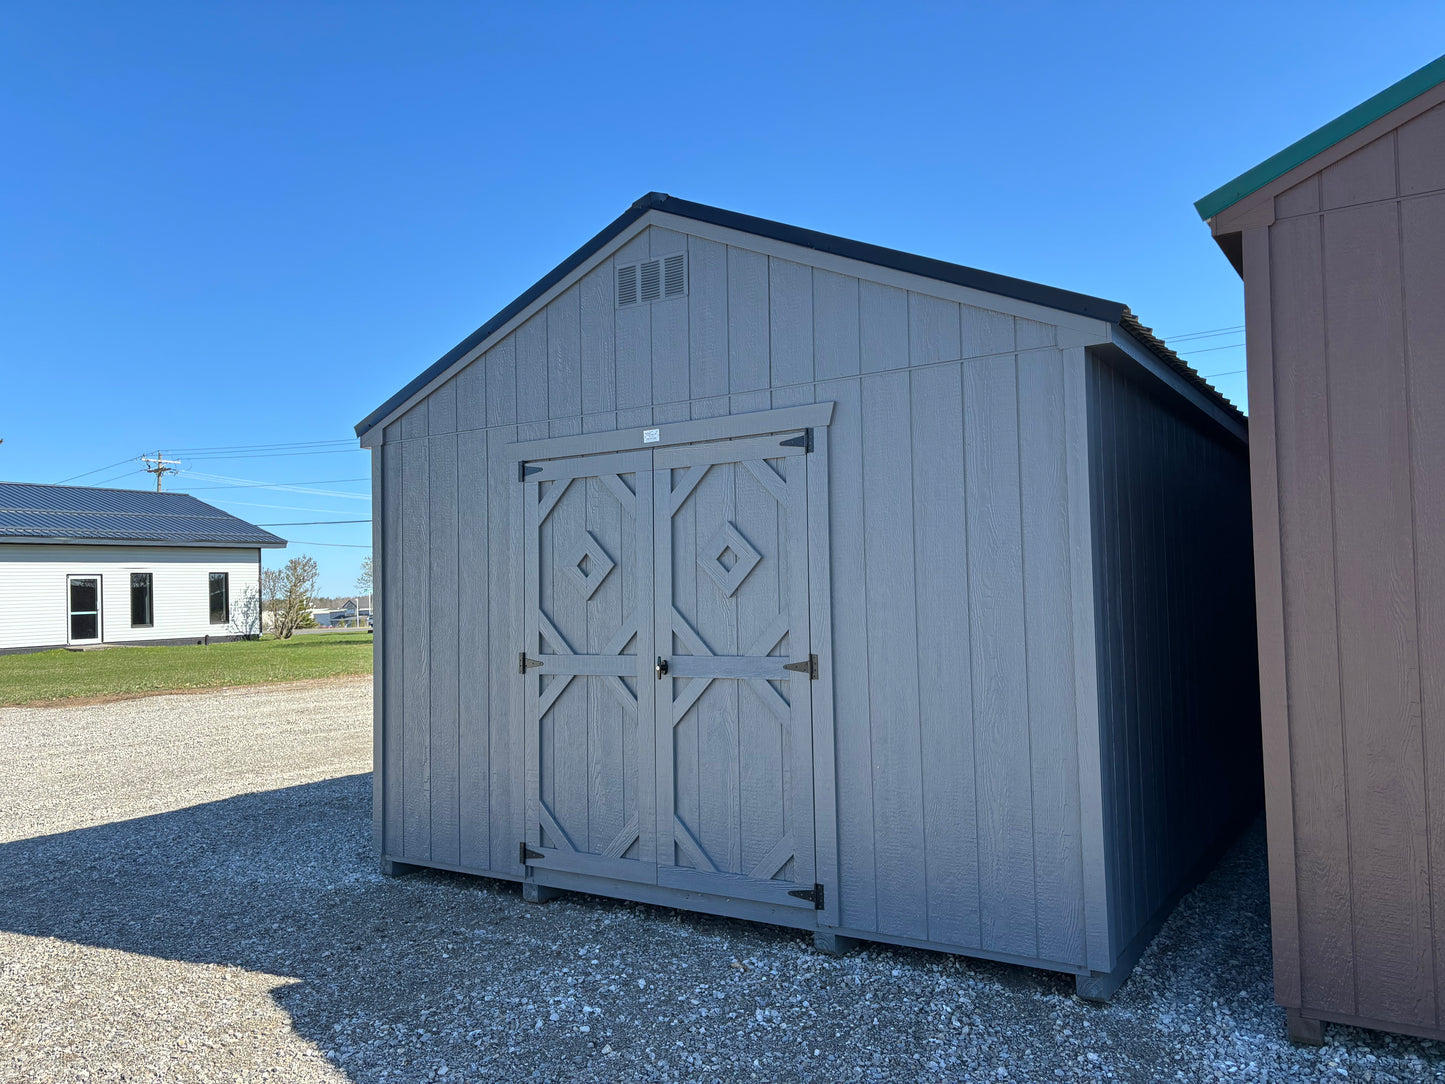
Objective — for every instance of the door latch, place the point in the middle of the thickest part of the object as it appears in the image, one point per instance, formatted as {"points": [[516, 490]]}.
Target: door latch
{"points": [[661, 668], [810, 667]]}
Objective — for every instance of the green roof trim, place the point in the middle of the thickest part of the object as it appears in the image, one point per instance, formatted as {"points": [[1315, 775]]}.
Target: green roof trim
{"points": [[1347, 124]]}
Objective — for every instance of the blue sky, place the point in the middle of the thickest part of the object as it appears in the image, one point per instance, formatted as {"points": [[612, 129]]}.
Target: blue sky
{"points": [[227, 227]]}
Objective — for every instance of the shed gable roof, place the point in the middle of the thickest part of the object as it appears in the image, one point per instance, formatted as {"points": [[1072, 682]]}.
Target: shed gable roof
{"points": [[1067, 301], [1322, 138], [34, 513]]}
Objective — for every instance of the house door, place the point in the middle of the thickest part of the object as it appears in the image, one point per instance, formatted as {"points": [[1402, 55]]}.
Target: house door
{"points": [[734, 717], [83, 593], [587, 628], [668, 709]]}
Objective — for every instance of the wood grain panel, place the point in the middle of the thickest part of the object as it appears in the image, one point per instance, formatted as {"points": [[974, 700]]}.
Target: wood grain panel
{"points": [[1423, 231], [933, 330], [790, 309], [1377, 614], [882, 327], [1365, 176], [707, 300], [1048, 610], [531, 339], [1312, 663], [945, 690], [1420, 145], [416, 618], [503, 630], [748, 357], [473, 648], [598, 347], [564, 354], [891, 624], [393, 559], [1000, 664], [444, 656], [835, 324], [501, 368]]}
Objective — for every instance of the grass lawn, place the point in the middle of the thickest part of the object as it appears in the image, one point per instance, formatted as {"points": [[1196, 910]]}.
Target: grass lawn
{"points": [[124, 671]]}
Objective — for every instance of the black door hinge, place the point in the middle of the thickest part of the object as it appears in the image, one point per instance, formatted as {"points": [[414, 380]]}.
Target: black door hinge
{"points": [[525, 854], [524, 664], [810, 667], [803, 440], [813, 895]]}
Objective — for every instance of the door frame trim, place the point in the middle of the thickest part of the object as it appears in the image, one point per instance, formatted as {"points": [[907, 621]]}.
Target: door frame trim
{"points": [[723, 427]]}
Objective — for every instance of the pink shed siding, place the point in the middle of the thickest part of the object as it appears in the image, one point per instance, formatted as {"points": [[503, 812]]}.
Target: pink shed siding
{"points": [[1345, 272]]}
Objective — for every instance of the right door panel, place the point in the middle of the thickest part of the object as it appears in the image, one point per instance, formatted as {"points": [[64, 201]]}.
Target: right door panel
{"points": [[734, 743]]}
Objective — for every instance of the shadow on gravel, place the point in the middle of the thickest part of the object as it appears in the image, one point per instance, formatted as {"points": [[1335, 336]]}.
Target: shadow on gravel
{"points": [[400, 978]]}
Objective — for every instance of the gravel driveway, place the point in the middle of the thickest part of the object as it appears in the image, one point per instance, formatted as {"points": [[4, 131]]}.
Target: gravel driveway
{"points": [[187, 893]]}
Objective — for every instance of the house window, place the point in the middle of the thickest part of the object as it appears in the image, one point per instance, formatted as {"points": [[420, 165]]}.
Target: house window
{"points": [[220, 597], [142, 611]]}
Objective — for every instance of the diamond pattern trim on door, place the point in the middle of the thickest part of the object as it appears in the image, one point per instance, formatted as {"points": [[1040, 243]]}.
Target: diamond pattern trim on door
{"points": [[587, 651], [734, 741]]}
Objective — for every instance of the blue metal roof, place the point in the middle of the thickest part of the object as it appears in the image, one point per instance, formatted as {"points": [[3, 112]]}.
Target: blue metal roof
{"points": [[39, 513]]}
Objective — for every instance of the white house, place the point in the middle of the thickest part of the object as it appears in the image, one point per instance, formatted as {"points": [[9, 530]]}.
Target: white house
{"points": [[82, 566]]}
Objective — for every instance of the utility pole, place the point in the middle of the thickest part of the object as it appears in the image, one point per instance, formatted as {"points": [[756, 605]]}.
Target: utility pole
{"points": [[160, 467]]}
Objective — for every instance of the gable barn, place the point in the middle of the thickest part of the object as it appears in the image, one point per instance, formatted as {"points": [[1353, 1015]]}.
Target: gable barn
{"points": [[752, 570]]}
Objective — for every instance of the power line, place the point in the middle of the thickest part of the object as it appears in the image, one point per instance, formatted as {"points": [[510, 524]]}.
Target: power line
{"points": [[115, 477], [314, 523], [1212, 349], [1211, 333], [272, 485], [294, 487], [270, 455], [73, 477], [275, 446], [333, 545], [1232, 372]]}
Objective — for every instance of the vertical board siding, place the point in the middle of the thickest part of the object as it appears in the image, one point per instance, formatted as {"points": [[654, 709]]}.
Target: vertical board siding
{"points": [[1174, 617], [1000, 659], [444, 656], [1422, 225], [1044, 499], [1349, 279], [790, 310], [1374, 546], [945, 683], [891, 623], [957, 508]]}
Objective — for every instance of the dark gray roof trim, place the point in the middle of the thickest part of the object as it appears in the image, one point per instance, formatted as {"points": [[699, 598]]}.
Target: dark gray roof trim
{"points": [[34, 513], [1097, 308]]}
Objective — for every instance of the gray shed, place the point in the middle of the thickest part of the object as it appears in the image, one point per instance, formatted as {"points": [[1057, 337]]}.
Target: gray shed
{"points": [[755, 571]]}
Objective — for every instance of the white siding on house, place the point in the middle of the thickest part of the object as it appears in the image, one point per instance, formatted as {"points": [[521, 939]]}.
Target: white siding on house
{"points": [[34, 607]]}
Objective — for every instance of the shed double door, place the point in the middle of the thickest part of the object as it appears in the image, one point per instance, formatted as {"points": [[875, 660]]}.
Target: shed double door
{"points": [[667, 665]]}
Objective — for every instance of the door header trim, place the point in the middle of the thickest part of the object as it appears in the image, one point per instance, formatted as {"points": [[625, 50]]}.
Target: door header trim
{"points": [[726, 427]]}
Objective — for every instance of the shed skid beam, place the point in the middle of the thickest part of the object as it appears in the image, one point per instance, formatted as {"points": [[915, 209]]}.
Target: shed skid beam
{"points": [[532, 892], [834, 944], [1302, 1030], [392, 868]]}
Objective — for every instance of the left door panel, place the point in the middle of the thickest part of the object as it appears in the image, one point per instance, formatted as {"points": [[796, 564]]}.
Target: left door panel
{"points": [[587, 661]]}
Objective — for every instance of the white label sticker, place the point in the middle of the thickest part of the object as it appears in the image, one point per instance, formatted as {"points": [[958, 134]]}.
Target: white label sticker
{"points": [[651, 436]]}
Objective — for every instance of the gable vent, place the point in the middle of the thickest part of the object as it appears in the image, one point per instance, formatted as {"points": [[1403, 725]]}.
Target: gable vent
{"points": [[652, 280], [627, 285]]}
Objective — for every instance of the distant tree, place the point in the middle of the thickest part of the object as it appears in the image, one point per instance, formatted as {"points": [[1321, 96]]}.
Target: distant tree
{"points": [[364, 579], [288, 593]]}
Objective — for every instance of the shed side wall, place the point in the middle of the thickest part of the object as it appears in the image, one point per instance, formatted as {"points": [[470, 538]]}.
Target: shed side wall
{"points": [[1351, 275], [1174, 620]]}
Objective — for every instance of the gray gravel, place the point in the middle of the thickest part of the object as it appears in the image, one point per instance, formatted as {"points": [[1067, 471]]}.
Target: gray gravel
{"points": [[189, 894]]}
